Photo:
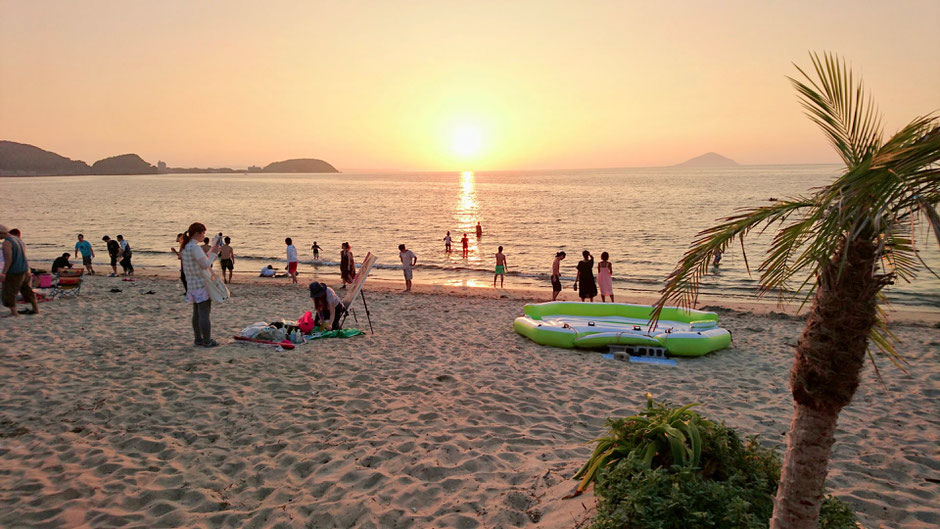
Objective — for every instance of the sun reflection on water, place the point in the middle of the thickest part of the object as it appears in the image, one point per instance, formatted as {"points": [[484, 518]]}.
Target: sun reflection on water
{"points": [[466, 213]]}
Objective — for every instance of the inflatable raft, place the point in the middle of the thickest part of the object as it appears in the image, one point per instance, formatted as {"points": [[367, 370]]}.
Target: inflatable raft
{"points": [[681, 332]]}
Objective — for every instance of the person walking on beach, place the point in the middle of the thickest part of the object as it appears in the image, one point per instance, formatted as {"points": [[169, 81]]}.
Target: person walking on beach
{"points": [[126, 254], [291, 260], [316, 250], [479, 231], [447, 242], [347, 264], [227, 256], [179, 257], [15, 274], [466, 245], [500, 267], [556, 274], [408, 262], [585, 277], [114, 252], [196, 264], [605, 274], [88, 253]]}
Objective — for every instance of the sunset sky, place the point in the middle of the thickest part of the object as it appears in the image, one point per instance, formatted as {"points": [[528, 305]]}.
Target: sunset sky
{"points": [[443, 85]]}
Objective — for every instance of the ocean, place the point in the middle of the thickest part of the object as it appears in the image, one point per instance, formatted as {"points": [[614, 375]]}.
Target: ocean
{"points": [[644, 218]]}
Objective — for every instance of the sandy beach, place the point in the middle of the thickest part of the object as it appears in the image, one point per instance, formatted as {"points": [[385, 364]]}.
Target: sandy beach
{"points": [[109, 417]]}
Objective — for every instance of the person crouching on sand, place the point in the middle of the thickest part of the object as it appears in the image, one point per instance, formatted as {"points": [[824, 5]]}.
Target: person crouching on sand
{"points": [[328, 308], [196, 263], [500, 267], [556, 274]]}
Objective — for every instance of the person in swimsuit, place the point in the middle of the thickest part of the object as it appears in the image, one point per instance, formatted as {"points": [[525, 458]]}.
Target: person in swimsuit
{"points": [[556, 274], [316, 250], [479, 231], [585, 277], [227, 255], [447, 243], [605, 274], [466, 245], [500, 267]]}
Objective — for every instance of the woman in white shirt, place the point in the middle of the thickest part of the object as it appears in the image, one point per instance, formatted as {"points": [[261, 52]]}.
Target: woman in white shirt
{"points": [[196, 264]]}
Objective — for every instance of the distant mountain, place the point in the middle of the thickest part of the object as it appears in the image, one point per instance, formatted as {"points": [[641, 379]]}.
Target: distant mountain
{"points": [[20, 159], [709, 159], [123, 164], [300, 165]]}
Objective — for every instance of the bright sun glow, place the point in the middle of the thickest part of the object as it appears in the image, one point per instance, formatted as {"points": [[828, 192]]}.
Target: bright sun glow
{"points": [[467, 141]]}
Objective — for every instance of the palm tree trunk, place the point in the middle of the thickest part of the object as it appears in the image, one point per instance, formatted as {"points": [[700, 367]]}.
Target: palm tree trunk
{"points": [[825, 374]]}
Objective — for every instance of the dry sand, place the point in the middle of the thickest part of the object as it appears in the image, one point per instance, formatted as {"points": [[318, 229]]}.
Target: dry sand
{"points": [[109, 417]]}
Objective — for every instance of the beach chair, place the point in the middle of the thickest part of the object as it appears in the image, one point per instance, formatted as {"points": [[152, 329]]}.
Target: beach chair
{"points": [[69, 283]]}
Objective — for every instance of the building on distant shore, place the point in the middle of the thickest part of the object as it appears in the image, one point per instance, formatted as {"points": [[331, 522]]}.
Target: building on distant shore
{"points": [[161, 167], [254, 169]]}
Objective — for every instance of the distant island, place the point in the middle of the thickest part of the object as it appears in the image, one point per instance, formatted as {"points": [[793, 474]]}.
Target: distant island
{"points": [[300, 165], [20, 159], [709, 159]]}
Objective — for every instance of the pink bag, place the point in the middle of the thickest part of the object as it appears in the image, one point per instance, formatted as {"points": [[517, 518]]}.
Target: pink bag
{"points": [[305, 323]]}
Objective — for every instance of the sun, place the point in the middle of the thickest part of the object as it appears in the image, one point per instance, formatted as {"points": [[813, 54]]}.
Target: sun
{"points": [[467, 141]]}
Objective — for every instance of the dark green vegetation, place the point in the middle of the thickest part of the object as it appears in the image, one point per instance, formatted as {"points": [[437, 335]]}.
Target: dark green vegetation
{"points": [[671, 468]]}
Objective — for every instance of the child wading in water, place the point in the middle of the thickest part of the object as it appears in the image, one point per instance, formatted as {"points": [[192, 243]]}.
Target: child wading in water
{"points": [[605, 278], [500, 268]]}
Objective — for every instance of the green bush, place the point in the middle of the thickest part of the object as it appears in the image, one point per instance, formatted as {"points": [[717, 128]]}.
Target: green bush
{"points": [[716, 481]]}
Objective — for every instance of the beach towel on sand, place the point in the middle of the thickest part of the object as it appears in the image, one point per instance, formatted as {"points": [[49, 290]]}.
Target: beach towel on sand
{"points": [[341, 333]]}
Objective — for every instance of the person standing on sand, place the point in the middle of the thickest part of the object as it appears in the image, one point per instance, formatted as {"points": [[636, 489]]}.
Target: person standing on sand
{"points": [[291, 260], [126, 253], [408, 262], [179, 257], [466, 245], [227, 256], [316, 250], [586, 277], [196, 264], [447, 242], [556, 274], [347, 264], [88, 253], [605, 274], [479, 231], [114, 251], [500, 267], [15, 274]]}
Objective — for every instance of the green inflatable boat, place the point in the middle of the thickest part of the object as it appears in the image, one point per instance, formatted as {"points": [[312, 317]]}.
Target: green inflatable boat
{"points": [[681, 332]]}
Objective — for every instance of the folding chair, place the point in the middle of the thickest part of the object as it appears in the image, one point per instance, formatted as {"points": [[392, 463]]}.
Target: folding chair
{"points": [[69, 283]]}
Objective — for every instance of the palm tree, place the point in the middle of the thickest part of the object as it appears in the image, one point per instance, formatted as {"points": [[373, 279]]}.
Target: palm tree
{"points": [[838, 245]]}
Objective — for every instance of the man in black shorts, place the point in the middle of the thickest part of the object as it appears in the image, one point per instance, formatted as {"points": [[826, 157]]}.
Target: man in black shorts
{"points": [[227, 255], [114, 251]]}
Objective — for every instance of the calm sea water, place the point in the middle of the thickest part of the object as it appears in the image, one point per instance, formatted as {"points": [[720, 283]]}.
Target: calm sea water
{"points": [[645, 219]]}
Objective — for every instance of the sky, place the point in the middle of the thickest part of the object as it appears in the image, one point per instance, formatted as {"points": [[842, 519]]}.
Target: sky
{"points": [[446, 85]]}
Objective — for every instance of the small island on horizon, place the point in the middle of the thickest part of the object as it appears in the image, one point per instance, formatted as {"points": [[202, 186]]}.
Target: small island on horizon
{"points": [[21, 159], [709, 159]]}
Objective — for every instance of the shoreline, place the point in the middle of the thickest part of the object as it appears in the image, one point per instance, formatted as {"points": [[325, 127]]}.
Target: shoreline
{"points": [[896, 315]]}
